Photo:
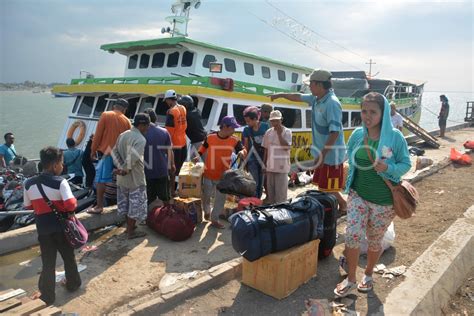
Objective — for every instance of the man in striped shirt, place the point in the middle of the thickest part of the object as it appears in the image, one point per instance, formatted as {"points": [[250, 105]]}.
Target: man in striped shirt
{"points": [[50, 233]]}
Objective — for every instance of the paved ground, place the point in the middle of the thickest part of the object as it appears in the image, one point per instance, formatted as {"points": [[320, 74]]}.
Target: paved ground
{"points": [[121, 270]]}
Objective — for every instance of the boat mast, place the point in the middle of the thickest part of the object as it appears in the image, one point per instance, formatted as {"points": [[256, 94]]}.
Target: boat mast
{"points": [[180, 19]]}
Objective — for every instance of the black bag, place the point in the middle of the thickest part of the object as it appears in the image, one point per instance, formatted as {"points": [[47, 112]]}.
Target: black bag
{"points": [[263, 230], [330, 205], [415, 151], [237, 182]]}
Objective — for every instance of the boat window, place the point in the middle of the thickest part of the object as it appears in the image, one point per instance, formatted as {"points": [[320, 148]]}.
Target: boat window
{"points": [[294, 77], [229, 64], [345, 119], [76, 104], [208, 59], [173, 60], [146, 103], [356, 119], [309, 118], [291, 117], [132, 107], [101, 104], [265, 72], [239, 113], [187, 59], [248, 67], [161, 110], [144, 60], [223, 113], [158, 60], [206, 111], [85, 108], [132, 61], [281, 75]]}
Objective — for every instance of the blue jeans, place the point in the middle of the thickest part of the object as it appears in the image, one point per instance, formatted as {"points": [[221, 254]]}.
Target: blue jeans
{"points": [[256, 171]]}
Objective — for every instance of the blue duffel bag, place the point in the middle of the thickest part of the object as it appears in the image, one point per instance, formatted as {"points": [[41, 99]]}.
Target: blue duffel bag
{"points": [[263, 230]]}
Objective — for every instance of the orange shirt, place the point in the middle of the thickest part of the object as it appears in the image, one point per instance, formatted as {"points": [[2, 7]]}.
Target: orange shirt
{"points": [[219, 152], [111, 125], [176, 125]]}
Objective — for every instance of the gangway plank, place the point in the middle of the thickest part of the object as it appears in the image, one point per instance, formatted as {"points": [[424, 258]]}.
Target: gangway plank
{"points": [[420, 132]]}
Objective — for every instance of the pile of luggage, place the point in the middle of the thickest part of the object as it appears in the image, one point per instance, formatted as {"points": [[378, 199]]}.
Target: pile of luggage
{"points": [[259, 231]]}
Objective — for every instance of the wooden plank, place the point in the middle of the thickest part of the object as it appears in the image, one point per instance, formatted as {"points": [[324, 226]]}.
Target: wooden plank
{"points": [[27, 308], [9, 304], [10, 294], [50, 310]]}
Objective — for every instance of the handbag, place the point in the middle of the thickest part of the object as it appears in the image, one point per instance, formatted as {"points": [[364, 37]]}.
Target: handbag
{"points": [[405, 196], [74, 232]]}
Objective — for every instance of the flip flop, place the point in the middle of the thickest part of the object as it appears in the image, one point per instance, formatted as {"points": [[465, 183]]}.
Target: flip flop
{"points": [[217, 225], [347, 287], [136, 235], [94, 211], [366, 284]]}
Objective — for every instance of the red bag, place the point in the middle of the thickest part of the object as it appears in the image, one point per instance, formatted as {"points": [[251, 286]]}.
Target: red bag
{"points": [[173, 224], [469, 144], [458, 157], [249, 201]]}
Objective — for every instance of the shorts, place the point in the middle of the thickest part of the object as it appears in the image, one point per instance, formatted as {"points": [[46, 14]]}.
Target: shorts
{"points": [[104, 169], [329, 178], [132, 202], [180, 155], [158, 188], [442, 122]]}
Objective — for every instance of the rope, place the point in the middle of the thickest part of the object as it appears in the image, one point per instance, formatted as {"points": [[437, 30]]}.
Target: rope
{"points": [[435, 114]]}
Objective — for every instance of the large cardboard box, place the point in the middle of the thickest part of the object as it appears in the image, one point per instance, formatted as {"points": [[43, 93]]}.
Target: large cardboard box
{"points": [[190, 179], [280, 274], [189, 205]]}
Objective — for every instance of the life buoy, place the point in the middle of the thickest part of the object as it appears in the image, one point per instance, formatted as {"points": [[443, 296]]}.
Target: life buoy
{"points": [[82, 131]]}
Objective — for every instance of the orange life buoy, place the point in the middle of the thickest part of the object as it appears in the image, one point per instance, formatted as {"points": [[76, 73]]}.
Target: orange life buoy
{"points": [[82, 131]]}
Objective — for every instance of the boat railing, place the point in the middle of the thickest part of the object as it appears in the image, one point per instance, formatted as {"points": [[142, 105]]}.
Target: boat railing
{"points": [[238, 86], [395, 92]]}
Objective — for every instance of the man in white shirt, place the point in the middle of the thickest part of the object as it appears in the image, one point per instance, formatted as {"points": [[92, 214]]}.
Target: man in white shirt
{"points": [[277, 144], [396, 118]]}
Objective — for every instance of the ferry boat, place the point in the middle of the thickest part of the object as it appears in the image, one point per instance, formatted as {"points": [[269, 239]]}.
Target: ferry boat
{"points": [[222, 81]]}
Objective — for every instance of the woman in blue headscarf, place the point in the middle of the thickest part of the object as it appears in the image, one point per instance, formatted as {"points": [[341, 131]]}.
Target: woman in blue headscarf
{"points": [[376, 151]]}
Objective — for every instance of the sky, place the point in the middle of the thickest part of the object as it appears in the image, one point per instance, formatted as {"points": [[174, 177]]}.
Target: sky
{"points": [[422, 41]]}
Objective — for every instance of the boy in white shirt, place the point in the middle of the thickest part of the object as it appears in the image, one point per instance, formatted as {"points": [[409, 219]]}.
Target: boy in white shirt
{"points": [[277, 144]]}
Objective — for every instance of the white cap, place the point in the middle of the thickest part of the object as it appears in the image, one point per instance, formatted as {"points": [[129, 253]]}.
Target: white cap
{"points": [[171, 94], [275, 115]]}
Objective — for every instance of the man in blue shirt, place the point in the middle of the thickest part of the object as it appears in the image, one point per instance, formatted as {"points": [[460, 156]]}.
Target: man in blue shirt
{"points": [[159, 161], [73, 161], [7, 150], [328, 138]]}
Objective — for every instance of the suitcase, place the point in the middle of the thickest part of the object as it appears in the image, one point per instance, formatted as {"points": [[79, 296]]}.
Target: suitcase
{"points": [[173, 224], [330, 206], [263, 230]]}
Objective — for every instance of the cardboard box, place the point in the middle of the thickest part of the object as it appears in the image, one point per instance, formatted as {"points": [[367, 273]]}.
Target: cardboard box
{"points": [[280, 274], [190, 179], [189, 205]]}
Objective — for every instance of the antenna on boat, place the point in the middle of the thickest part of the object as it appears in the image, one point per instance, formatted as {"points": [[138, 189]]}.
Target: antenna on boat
{"points": [[180, 19]]}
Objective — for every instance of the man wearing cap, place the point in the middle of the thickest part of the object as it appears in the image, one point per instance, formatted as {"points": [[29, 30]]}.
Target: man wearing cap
{"points": [[265, 110], [131, 184], [277, 144], [176, 125], [219, 147], [328, 138], [111, 124]]}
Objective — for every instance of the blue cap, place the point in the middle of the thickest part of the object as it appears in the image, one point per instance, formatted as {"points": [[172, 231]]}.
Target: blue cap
{"points": [[229, 121]]}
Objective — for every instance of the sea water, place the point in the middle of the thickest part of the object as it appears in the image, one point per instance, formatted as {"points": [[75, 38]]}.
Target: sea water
{"points": [[37, 119]]}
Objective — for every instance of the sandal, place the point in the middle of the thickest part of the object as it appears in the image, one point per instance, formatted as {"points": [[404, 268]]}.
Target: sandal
{"points": [[94, 211], [136, 235], [366, 284], [344, 288], [217, 225]]}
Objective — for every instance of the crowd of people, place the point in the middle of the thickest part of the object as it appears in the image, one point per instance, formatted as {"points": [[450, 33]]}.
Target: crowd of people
{"points": [[145, 158]]}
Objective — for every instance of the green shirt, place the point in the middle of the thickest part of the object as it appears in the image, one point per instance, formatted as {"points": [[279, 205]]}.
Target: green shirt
{"points": [[367, 183]]}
